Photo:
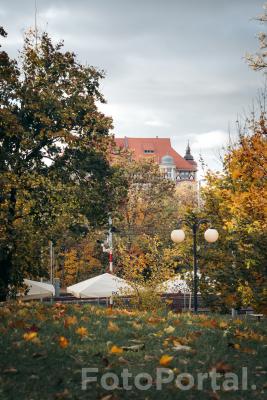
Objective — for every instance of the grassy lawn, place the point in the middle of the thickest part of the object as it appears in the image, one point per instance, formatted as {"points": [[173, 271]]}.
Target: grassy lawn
{"points": [[43, 349]]}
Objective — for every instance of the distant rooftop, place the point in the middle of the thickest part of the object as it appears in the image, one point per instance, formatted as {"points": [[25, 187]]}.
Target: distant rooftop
{"points": [[157, 148]]}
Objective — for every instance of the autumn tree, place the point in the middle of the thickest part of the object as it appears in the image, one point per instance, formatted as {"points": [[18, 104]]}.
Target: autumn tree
{"points": [[146, 265], [237, 199], [55, 176]]}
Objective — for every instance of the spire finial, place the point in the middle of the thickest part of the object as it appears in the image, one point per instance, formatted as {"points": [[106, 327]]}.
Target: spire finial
{"points": [[188, 156]]}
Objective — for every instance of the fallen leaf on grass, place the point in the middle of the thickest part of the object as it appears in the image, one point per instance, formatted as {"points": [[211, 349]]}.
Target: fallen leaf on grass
{"points": [[223, 325], [249, 335], [148, 357], [154, 320], [193, 336], [123, 360], [68, 321], [63, 342], [170, 329], [116, 350], [34, 377], [248, 350], [214, 396], [108, 397], [135, 347], [29, 336], [40, 355], [180, 340], [63, 395], [209, 323], [234, 345], [17, 324], [222, 367], [113, 327], [180, 347], [165, 360], [10, 370], [136, 326], [84, 318], [82, 331]]}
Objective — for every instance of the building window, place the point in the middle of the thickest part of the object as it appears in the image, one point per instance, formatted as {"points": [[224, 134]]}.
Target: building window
{"points": [[148, 151], [185, 175]]}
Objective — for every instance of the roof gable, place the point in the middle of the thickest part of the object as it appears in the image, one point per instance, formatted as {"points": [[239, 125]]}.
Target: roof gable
{"points": [[158, 148]]}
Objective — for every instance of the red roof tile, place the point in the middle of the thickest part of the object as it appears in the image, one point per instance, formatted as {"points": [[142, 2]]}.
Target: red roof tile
{"points": [[160, 147]]}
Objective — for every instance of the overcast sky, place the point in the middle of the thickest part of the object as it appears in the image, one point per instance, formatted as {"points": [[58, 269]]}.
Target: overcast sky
{"points": [[174, 68]]}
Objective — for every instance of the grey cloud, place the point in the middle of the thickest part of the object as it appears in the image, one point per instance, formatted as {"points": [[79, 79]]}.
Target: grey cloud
{"points": [[177, 62]]}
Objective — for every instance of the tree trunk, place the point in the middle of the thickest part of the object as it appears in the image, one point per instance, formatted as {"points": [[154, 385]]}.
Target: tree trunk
{"points": [[7, 251]]}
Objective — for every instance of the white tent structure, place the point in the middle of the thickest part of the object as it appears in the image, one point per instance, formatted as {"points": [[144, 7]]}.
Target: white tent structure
{"points": [[177, 285], [38, 290], [174, 286], [105, 285]]}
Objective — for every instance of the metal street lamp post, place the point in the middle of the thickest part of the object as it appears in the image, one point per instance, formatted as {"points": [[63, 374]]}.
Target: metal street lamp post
{"points": [[210, 235]]}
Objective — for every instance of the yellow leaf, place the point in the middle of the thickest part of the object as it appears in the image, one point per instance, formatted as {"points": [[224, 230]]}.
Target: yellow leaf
{"points": [[248, 350], [112, 327], [70, 321], [116, 350], [29, 336], [82, 331], [136, 326], [170, 329], [223, 325], [165, 360], [177, 343]]}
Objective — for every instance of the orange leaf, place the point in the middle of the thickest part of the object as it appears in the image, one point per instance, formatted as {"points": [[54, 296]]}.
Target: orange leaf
{"points": [[209, 323], [70, 321], [116, 350], [63, 342], [222, 368], [165, 360]]}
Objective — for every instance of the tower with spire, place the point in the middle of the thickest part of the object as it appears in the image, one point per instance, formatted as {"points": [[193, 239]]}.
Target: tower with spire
{"points": [[188, 156]]}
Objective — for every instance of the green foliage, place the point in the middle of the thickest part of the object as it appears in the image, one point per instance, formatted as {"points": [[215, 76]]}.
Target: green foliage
{"points": [[55, 176]]}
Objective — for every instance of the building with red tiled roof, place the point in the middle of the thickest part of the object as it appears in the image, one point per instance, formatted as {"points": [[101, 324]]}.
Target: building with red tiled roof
{"points": [[172, 165]]}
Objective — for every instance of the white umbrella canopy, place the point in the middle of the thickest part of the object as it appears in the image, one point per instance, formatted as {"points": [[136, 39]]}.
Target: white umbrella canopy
{"points": [[38, 290], [175, 285], [105, 285]]}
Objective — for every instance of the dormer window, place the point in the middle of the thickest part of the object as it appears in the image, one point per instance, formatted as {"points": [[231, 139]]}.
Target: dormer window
{"points": [[147, 151]]}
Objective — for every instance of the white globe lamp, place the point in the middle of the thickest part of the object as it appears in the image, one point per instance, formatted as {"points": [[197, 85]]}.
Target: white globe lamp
{"points": [[177, 236], [211, 235]]}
